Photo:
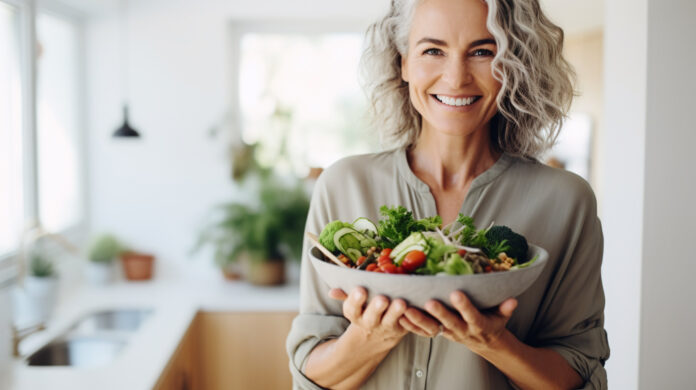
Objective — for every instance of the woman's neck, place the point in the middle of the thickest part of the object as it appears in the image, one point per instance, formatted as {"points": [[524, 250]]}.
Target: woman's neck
{"points": [[450, 163]]}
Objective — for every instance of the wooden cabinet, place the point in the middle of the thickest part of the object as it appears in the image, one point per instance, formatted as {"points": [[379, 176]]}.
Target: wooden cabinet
{"points": [[182, 371], [232, 350]]}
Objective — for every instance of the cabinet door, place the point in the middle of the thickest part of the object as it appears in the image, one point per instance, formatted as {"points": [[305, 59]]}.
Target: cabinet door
{"points": [[244, 350], [182, 371]]}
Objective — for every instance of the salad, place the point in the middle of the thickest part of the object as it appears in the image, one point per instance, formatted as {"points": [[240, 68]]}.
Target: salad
{"points": [[401, 244]]}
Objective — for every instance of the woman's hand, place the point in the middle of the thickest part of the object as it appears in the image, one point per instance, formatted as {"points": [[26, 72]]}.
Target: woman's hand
{"points": [[379, 321], [467, 325], [347, 361]]}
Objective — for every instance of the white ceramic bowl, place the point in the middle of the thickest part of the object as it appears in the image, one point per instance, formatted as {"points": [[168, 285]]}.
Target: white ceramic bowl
{"points": [[484, 290]]}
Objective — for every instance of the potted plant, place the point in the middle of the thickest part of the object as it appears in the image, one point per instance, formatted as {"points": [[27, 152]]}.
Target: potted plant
{"points": [[102, 252], [41, 286], [137, 265], [256, 239]]}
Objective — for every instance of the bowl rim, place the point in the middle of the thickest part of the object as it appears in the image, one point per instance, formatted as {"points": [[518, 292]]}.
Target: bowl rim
{"points": [[540, 262]]}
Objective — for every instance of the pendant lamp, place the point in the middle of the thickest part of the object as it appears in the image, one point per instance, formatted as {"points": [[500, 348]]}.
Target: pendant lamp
{"points": [[125, 130]]}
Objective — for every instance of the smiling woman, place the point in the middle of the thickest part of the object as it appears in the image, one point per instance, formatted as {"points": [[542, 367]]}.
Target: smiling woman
{"points": [[471, 91], [536, 81]]}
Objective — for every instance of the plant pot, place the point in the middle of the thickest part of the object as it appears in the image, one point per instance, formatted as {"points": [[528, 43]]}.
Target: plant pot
{"points": [[34, 302], [232, 271], [265, 273], [137, 266], [99, 274]]}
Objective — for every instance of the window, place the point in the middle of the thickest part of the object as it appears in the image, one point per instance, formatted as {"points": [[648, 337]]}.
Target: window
{"points": [[300, 99], [40, 136], [11, 130], [58, 123]]}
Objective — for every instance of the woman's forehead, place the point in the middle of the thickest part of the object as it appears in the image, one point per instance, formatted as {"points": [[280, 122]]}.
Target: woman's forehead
{"points": [[452, 21]]}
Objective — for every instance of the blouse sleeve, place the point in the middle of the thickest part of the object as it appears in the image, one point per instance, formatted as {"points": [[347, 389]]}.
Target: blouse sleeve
{"points": [[320, 317], [570, 320]]}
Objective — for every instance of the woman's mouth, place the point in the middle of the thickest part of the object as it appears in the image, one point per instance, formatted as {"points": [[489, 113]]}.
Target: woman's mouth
{"points": [[456, 102]]}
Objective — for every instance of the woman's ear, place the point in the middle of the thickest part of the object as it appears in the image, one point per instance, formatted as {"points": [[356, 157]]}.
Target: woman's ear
{"points": [[404, 69]]}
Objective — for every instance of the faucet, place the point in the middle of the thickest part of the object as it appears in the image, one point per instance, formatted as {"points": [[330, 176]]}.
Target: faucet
{"points": [[31, 234], [20, 334]]}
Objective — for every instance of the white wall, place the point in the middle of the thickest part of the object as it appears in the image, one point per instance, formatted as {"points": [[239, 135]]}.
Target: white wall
{"points": [[649, 190], [625, 56], [668, 311], [155, 191]]}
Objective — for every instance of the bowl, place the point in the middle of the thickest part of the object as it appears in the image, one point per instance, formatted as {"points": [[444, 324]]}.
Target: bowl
{"points": [[484, 290]]}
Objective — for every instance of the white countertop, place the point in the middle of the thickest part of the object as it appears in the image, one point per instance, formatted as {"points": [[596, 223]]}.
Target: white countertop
{"points": [[140, 363]]}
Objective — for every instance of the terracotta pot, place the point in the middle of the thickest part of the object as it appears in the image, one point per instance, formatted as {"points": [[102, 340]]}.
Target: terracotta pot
{"points": [[137, 266], [265, 273], [232, 271]]}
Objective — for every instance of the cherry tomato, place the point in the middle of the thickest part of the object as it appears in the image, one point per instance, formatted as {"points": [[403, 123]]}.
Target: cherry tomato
{"points": [[384, 260], [461, 252], [413, 260], [371, 267], [389, 268], [400, 270], [385, 252], [488, 268], [361, 260]]}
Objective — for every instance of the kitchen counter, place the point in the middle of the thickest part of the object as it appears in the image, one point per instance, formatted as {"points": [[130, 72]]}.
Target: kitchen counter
{"points": [[140, 364]]}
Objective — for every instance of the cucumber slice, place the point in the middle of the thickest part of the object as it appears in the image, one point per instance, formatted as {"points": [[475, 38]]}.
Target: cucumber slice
{"points": [[400, 256], [415, 239], [363, 224], [353, 254], [340, 233]]}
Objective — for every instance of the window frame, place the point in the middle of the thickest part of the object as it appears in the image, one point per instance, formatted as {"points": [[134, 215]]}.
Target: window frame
{"points": [[28, 11]]}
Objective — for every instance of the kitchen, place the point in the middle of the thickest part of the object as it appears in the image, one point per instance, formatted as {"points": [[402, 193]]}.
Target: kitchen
{"points": [[177, 65]]}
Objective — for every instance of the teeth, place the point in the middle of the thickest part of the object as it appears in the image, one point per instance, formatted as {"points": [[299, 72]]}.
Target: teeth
{"points": [[455, 102]]}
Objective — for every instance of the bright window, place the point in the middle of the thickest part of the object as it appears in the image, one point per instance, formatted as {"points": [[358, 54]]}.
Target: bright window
{"points": [[58, 124], [300, 92], [11, 177]]}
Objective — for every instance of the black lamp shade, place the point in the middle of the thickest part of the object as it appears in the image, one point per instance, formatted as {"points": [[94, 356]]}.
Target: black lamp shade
{"points": [[126, 130]]}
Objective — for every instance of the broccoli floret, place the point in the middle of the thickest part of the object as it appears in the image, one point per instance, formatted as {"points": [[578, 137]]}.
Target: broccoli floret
{"points": [[327, 235], [517, 244]]}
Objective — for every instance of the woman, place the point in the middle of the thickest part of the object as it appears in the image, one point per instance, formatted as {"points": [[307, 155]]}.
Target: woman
{"points": [[474, 91]]}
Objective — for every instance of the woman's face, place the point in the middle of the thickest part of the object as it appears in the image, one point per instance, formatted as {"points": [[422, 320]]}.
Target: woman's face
{"points": [[448, 66]]}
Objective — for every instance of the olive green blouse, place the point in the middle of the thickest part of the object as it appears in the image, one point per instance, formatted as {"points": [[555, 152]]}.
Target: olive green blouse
{"points": [[562, 311]]}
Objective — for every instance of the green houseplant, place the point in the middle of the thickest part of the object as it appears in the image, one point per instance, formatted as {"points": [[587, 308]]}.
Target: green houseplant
{"points": [[103, 250], [41, 284], [261, 235]]}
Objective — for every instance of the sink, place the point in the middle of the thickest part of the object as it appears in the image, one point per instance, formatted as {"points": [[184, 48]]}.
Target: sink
{"points": [[77, 352], [94, 340], [128, 320]]}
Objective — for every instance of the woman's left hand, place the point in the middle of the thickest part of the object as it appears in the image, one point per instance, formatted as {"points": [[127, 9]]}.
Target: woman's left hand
{"points": [[478, 331]]}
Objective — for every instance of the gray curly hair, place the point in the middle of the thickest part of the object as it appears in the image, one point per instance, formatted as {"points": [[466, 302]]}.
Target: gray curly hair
{"points": [[536, 81]]}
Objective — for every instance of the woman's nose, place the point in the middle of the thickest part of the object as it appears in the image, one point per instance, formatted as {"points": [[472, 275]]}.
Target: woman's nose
{"points": [[457, 73]]}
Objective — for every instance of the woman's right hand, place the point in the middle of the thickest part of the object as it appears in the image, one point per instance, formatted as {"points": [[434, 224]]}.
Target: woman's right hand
{"points": [[379, 321], [348, 361]]}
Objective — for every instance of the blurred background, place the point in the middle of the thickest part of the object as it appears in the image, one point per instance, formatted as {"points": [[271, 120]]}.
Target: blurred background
{"points": [[155, 154]]}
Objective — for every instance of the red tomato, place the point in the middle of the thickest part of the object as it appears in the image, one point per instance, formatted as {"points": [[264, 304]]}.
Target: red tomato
{"points": [[385, 252], [413, 260], [400, 270], [384, 260], [388, 268], [488, 268], [371, 267], [461, 252], [361, 260]]}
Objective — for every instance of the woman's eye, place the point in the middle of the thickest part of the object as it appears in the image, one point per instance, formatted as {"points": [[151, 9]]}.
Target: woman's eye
{"points": [[433, 51], [482, 52]]}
